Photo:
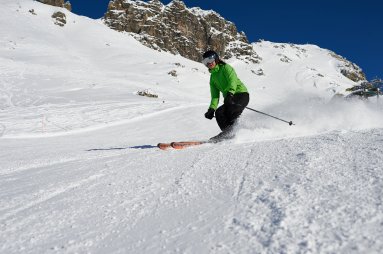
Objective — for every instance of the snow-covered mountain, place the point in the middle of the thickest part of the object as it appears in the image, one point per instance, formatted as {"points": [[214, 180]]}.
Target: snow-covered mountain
{"points": [[80, 172], [189, 32]]}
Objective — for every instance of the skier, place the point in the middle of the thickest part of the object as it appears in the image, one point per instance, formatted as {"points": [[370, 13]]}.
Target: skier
{"points": [[236, 97]]}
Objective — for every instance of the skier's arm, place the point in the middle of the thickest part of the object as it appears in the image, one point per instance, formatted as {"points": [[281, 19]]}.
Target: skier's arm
{"points": [[214, 96], [232, 79]]}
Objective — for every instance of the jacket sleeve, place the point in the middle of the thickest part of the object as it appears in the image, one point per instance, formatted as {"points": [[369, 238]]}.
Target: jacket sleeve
{"points": [[232, 79], [214, 96]]}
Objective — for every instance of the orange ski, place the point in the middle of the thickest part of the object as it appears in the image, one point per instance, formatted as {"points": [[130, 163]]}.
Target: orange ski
{"points": [[180, 145], [185, 144]]}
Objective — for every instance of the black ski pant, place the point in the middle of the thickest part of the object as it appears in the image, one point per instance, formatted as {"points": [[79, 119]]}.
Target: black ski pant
{"points": [[226, 115]]}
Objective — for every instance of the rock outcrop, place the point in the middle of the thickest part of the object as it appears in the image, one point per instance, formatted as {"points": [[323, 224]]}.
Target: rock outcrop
{"points": [[349, 69], [60, 18], [178, 29], [58, 3]]}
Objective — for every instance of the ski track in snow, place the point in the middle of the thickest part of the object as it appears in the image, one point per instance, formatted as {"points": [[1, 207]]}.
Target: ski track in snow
{"points": [[318, 194], [286, 215]]}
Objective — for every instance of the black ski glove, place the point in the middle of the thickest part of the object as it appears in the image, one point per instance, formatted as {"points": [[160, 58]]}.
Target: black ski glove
{"points": [[229, 100], [209, 114]]}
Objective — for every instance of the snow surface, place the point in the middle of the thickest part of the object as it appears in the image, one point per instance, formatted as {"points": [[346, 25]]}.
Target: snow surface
{"points": [[80, 172]]}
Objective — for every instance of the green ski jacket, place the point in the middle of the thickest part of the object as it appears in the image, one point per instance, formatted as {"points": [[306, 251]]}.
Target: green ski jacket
{"points": [[224, 79]]}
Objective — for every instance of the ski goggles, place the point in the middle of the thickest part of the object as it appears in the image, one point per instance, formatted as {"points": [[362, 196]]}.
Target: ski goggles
{"points": [[208, 60]]}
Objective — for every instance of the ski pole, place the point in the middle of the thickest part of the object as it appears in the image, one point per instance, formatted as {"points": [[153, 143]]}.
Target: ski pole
{"points": [[290, 123]]}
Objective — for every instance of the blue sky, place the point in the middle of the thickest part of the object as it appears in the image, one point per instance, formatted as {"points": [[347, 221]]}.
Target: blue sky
{"points": [[352, 29]]}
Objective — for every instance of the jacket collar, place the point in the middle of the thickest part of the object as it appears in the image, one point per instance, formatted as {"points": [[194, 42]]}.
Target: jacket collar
{"points": [[215, 69]]}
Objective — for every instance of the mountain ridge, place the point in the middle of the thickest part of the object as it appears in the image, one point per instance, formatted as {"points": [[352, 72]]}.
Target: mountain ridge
{"points": [[178, 29], [190, 31]]}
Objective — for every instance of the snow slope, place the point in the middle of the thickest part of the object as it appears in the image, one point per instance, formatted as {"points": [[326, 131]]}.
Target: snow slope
{"points": [[80, 172]]}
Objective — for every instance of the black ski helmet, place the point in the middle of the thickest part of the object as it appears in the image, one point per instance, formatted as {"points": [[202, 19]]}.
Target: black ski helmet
{"points": [[209, 54]]}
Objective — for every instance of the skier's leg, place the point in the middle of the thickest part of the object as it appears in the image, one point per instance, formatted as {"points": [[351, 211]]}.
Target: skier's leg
{"points": [[221, 117], [226, 116], [235, 110]]}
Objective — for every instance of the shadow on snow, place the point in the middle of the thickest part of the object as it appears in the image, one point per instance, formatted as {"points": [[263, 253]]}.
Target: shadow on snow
{"points": [[122, 148]]}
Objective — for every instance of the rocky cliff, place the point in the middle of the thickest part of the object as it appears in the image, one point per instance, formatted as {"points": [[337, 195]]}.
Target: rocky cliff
{"points": [[58, 3], [349, 69], [178, 29]]}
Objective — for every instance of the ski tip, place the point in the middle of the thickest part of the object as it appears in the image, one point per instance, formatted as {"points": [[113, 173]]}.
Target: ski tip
{"points": [[163, 146]]}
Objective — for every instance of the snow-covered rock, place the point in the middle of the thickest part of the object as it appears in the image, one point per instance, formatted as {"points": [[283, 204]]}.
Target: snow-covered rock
{"points": [[178, 29]]}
